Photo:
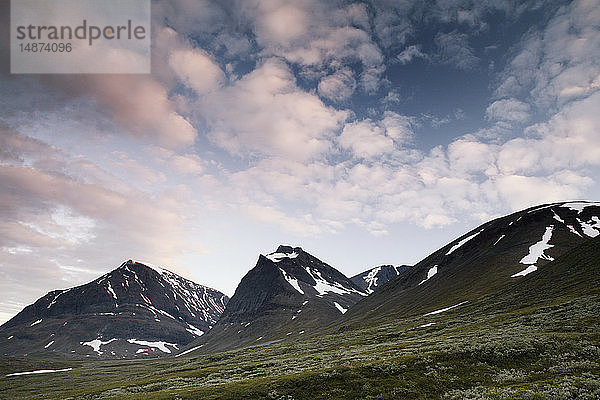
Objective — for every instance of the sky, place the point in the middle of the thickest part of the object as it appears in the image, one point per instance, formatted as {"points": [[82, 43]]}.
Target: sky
{"points": [[366, 132]]}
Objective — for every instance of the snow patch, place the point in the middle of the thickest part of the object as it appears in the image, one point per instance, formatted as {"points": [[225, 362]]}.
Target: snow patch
{"points": [[194, 331], [40, 371], [112, 292], [462, 242], [556, 217], [36, 322], [432, 271], [322, 286], [96, 344], [189, 351], [342, 309], [10, 337], [445, 309], [499, 239], [371, 279], [573, 230], [426, 325], [49, 344], [162, 346], [56, 297], [276, 257], [536, 252], [292, 281], [526, 271], [591, 228], [579, 206]]}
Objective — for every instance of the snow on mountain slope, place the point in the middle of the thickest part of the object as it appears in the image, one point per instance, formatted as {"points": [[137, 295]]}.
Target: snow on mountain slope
{"points": [[489, 257], [288, 291], [536, 252], [371, 279], [116, 315]]}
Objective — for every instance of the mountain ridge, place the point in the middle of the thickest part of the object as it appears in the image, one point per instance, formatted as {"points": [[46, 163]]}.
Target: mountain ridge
{"points": [[129, 305], [288, 293], [488, 257]]}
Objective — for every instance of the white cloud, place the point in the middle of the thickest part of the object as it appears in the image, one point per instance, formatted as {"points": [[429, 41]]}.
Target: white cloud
{"points": [[525, 191], [266, 113], [316, 36], [196, 69], [368, 138], [281, 23], [509, 110], [558, 64], [467, 155], [187, 164], [365, 139], [338, 86], [138, 103]]}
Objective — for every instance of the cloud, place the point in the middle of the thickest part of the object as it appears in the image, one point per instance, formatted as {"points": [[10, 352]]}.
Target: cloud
{"points": [[266, 113], [467, 156], [524, 191], [508, 110], [281, 23], [187, 164], [558, 64], [410, 53], [454, 49], [316, 36], [368, 138], [196, 69], [133, 171], [338, 86], [138, 103]]}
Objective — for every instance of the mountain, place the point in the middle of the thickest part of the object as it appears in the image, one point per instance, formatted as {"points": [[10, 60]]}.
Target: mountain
{"points": [[483, 262], [133, 311], [374, 278], [288, 292]]}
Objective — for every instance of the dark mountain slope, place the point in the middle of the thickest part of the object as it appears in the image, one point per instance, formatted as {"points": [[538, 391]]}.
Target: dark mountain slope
{"points": [[376, 277], [132, 311], [288, 292], [483, 261]]}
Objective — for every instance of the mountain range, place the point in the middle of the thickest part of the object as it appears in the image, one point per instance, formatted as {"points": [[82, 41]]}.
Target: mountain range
{"points": [[486, 260], [139, 311]]}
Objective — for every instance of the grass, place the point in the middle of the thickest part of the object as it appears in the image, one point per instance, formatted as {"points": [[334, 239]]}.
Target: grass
{"points": [[542, 351]]}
